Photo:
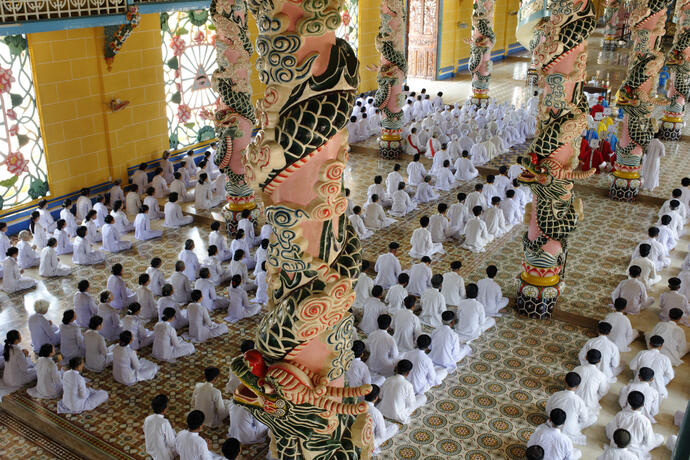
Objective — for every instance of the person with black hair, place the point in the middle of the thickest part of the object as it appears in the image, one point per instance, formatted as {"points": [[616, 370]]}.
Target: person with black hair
{"points": [[395, 296], [464, 169], [128, 369], [83, 204], [578, 416], [84, 303], [490, 294], [446, 350], [472, 317], [122, 223], [416, 172], [420, 276], [358, 224], [398, 400], [633, 291], [668, 235], [145, 299], [495, 220], [111, 237], [406, 325], [239, 307], [101, 210], [440, 155], [64, 245], [110, 316], [422, 243], [158, 433], [132, 322], [203, 195], [373, 307], [453, 287], [377, 188], [433, 303], [83, 254], [458, 215], [534, 452], [160, 182], [618, 450], [48, 378], [167, 346], [642, 436], [201, 326], [76, 396], [50, 265], [5, 243], [239, 267], [439, 226], [424, 375], [207, 287], [142, 226], [132, 200], [167, 300], [675, 344], [174, 218], [512, 211], [188, 443], [374, 216], [98, 354], [38, 231], [425, 192], [181, 284], [190, 259], [387, 267], [658, 253], [209, 400], [554, 444], [476, 234], [383, 351], [358, 374], [260, 255], [595, 384], [609, 363], [122, 295], [382, 431], [19, 369], [363, 286], [642, 383], [217, 239], [622, 333], [156, 276], [674, 299], [71, 338]]}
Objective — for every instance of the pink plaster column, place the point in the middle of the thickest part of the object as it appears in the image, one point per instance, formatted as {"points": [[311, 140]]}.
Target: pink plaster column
{"points": [[482, 42], [678, 63]]}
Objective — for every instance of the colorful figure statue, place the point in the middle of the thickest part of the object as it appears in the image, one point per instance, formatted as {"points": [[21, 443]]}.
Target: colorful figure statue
{"points": [[390, 42], [234, 117], [678, 62], [482, 41], [561, 56], [610, 19], [647, 21], [293, 381]]}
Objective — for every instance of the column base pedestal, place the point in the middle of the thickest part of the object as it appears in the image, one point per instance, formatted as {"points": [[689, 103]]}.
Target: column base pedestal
{"points": [[536, 301], [232, 216], [532, 79], [608, 44], [480, 100], [670, 129], [390, 147], [624, 189]]}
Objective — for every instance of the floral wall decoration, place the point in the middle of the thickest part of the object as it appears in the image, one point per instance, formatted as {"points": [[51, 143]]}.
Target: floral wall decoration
{"points": [[189, 59], [23, 172], [115, 36], [349, 27]]}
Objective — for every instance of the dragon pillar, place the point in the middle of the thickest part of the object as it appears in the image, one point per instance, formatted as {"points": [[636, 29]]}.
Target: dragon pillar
{"points": [[482, 41], [610, 19], [234, 116], [678, 62], [561, 56], [293, 381], [647, 22], [390, 42]]}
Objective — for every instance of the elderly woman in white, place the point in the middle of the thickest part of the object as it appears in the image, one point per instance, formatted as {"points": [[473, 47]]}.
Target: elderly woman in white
{"points": [[42, 330]]}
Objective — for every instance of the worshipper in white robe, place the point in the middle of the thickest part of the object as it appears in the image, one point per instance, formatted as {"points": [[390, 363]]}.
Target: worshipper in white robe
{"points": [[239, 307], [241, 242], [83, 204], [502, 182], [651, 162], [209, 400], [476, 233], [210, 299], [247, 226], [101, 210], [190, 259], [610, 356], [83, 253], [446, 349], [439, 158], [633, 291], [142, 226], [4, 242], [156, 276], [98, 356], [382, 431], [464, 169], [363, 286], [151, 201], [38, 231], [122, 295], [121, 222], [388, 267], [64, 245], [48, 377], [476, 198], [12, 280], [111, 317], [494, 218], [472, 320], [189, 444], [71, 338], [673, 299], [27, 256], [674, 205], [398, 400], [132, 200], [133, 322], [116, 193], [76, 396], [490, 294], [512, 212], [140, 178], [372, 308], [622, 333], [260, 255], [217, 274], [675, 344], [261, 286], [178, 186], [84, 304], [554, 444], [642, 383], [425, 192], [420, 276], [215, 238], [358, 374], [238, 267], [618, 450], [159, 184], [479, 153], [439, 226], [173, 214], [377, 188], [358, 224], [167, 346], [42, 330], [658, 253], [397, 293], [383, 351], [406, 326], [577, 414], [182, 286], [45, 219], [422, 242], [374, 216], [642, 436], [423, 375], [111, 237], [401, 202], [393, 179], [19, 369], [415, 172], [202, 193], [594, 385], [93, 229], [433, 303], [445, 180], [167, 300], [453, 288], [458, 214], [158, 433], [190, 164], [668, 235], [244, 427]]}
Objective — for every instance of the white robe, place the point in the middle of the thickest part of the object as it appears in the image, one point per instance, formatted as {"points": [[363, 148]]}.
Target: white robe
{"points": [[445, 180], [159, 437], [122, 295], [610, 356], [98, 355], [622, 333], [84, 307], [372, 309], [457, 216], [201, 327], [111, 322], [210, 299], [27, 257], [12, 280], [491, 297], [392, 180], [147, 302], [191, 263], [84, 255], [84, 205], [180, 320], [362, 290], [358, 374], [495, 222], [160, 186], [556, 445], [453, 288], [433, 305], [446, 349], [387, 269], [401, 203], [218, 274], [577, 417], [46, 220], [512, 212], [425, 193], [395, 298], [141, 337], [615, 453], [635, 294], [651, 162], [244, 427], [209, 400], [439, 227], [651, 398], [415, 173], [398, 400], [383, 353], [174, 217], [476, 235], [358, 224], [407, 328], [202, 196], [423, 244], [375, 218], [472, 320], [240, 307], [121, 222], [111, 239], [48, 380], [76, 396], [673, 299], [593, 386], [64, 245], [423, 375], [675, 344], [465, 170], [215, 238], [420, 278], [142, 228], [191, 446], [155, 212], [642, 436], [19, 370], [167, 346], [42, 332], [101, 212], [132, 203], [71, 341], [128, 369], [93, 234], [182, 288], [156, 280]]}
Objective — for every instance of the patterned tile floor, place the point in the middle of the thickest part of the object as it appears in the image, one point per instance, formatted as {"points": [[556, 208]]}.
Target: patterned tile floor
{"points": [[487, 409]]}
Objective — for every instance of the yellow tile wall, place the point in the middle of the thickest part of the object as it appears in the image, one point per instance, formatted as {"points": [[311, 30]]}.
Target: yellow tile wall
{"points": [[449, 31], [369, 21]]}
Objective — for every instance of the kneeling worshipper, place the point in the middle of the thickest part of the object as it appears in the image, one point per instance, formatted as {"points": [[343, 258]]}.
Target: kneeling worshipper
{"points": [[382, 431], [642, 436], [578, 416], [383, 351], [398, 400], [76, 396], [422, 242], [423, 375], [553, 443], [446, 349], [128, 369]]}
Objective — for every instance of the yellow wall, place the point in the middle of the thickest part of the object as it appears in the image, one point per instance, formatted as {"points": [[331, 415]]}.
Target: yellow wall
{"points": [[85, 141], [369, 21], [448, 20]]}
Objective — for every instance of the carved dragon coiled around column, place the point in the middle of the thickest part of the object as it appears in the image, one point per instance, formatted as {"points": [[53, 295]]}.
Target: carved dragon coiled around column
{"points": [[678, 63], [610, 18], [482, 41], [293, 381]]}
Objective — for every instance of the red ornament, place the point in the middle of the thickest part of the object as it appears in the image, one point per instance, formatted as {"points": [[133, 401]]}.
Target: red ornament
{"points": [[256, 362]]}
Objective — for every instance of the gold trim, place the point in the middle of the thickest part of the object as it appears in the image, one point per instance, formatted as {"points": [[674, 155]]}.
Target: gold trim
{"points": [[390, 138], [672, 119], [538, 280], [240, 207], [480, 95], [626, 175]]}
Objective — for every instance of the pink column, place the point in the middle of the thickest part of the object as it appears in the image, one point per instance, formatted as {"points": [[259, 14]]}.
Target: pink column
{"points": [[482, 41], [678, 63]]}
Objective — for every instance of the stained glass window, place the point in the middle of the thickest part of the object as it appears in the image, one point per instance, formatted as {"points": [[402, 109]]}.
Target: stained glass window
{"points": [[23, 173], [189, 59], [349, 27]]}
